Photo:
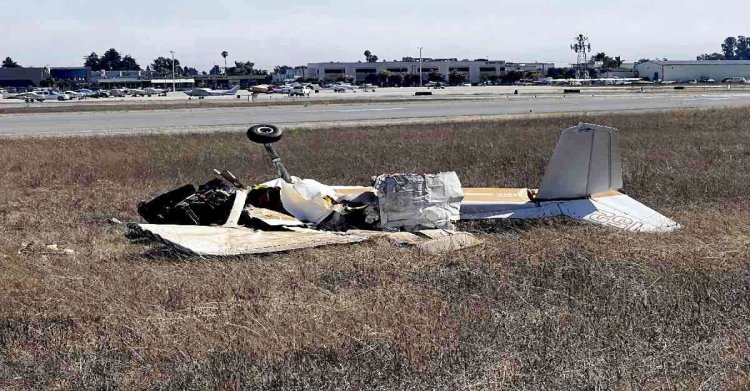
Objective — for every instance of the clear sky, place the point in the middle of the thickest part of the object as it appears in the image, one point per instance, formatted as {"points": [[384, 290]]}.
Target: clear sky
{"points": [[295, 32]]}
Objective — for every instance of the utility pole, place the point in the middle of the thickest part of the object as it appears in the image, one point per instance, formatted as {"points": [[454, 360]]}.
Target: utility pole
{"points": [[420, 66], [174, 84]]}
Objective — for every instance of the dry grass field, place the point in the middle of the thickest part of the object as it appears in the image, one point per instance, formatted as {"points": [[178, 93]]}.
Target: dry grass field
{"points": [[546, 305]]}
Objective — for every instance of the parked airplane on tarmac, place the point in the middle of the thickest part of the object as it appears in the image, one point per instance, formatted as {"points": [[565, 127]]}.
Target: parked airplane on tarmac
{"points": [[40, 95], [155, 91], [204, 92]]}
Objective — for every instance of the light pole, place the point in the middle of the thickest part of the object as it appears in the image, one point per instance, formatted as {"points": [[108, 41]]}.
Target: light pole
{"points": [[174, 84], [420, 66]]}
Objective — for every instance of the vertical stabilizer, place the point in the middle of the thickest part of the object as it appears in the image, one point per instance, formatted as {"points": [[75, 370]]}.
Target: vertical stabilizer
{"points": [[586, 161]]}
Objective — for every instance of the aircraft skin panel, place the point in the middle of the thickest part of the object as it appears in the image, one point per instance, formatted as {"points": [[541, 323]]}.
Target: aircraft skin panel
{"points": [[497, 210], [228, 241]]}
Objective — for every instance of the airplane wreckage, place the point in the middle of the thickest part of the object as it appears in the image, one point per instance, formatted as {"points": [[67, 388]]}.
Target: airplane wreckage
{"points": [[225, 217]]}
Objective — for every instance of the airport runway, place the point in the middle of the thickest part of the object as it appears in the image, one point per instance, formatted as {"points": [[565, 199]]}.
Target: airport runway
{"points": [[118, 122]]}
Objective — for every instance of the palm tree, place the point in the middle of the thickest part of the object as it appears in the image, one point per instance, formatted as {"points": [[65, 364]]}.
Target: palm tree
{"points": [[225, 54]]}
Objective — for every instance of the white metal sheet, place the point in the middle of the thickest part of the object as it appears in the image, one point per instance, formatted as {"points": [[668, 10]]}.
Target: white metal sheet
{"points": [[225, 241], [618, 211]]}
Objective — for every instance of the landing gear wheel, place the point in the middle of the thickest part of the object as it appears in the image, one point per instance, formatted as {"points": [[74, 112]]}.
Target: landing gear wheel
{"points": [[264, 134]]}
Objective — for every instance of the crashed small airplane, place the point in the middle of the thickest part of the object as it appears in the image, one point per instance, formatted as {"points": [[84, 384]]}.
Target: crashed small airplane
{"points": [[225, 217]]}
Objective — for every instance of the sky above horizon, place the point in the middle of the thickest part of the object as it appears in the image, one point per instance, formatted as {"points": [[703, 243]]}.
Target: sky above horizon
{"points": [[61, 33]]}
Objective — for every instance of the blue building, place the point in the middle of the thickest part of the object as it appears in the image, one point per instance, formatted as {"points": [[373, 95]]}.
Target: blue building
{"points": [[75, 74]]}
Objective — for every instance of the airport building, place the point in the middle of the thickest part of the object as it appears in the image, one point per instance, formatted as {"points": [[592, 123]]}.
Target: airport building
{"points": [[474, 71], [73, 74], [537, 67], [290, 74], [23, 77], [717, 70], [118, 79], [229, 81]]}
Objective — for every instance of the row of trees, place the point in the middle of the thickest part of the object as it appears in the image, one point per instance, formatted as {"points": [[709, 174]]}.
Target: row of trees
{"points": [[111, 60], [370, 57], [608, 63], [733, 48]]}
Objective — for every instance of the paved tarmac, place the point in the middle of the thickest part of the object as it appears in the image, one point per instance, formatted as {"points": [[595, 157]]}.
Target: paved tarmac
{"points": [[119, 122]]}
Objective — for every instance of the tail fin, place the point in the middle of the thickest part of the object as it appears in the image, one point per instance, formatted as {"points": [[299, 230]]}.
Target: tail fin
{"points": [[233, 90], [586, 161]]}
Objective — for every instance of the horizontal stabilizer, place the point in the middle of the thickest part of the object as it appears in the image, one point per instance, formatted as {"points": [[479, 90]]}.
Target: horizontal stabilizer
{"points": [[618, 211]]}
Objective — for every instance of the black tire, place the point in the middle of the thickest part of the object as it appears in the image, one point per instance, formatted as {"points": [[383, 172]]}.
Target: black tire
{"points": [[264, 134]]}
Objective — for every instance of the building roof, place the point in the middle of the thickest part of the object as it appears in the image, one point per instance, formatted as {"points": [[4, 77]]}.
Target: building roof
{"points": [[163, 81], [703, 62], [122, 80], [405, 62]]}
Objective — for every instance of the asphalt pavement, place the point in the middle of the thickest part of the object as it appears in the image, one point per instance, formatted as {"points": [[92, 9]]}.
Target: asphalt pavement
{"points": [[119, 122]]}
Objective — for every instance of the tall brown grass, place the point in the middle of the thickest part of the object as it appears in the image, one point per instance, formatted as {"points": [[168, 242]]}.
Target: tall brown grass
{"points": [[540, 305]]}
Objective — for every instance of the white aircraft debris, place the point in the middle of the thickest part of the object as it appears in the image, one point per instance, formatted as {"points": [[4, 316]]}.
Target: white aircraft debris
{"points": [[225, 217]]}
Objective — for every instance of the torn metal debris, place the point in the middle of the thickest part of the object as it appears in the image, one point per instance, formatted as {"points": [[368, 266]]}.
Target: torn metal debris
{"points": [[226, 217]]}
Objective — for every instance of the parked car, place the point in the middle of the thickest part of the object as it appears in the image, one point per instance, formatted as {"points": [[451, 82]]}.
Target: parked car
{"points": [[281, 89], [75, 95], [117, 92], [100, 94], [734, 80], [300, 91], [86, 92]]}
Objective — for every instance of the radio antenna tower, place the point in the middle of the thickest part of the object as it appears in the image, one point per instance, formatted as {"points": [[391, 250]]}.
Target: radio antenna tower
{"points": [[582, 47]]}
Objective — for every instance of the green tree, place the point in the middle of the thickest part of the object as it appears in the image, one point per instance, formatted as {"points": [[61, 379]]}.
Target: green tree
{"points": [[370, 57], [743, 48], [511, 77], [599, 57], [712, 56], [729, 48], [607, 61], [9, 63], [216, 70], [128, 63], [396, 80], [162, 66], [110, 60], [189, 71], [411, 79], [384, 77], [436, 76], [372, 78], [561, 73], [280, 69], [242, 68], [225, 54], [92, 61], [456, 78]]}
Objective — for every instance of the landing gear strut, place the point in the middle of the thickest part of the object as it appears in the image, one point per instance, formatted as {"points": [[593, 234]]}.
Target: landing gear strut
{"points": [[267, 135]]}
